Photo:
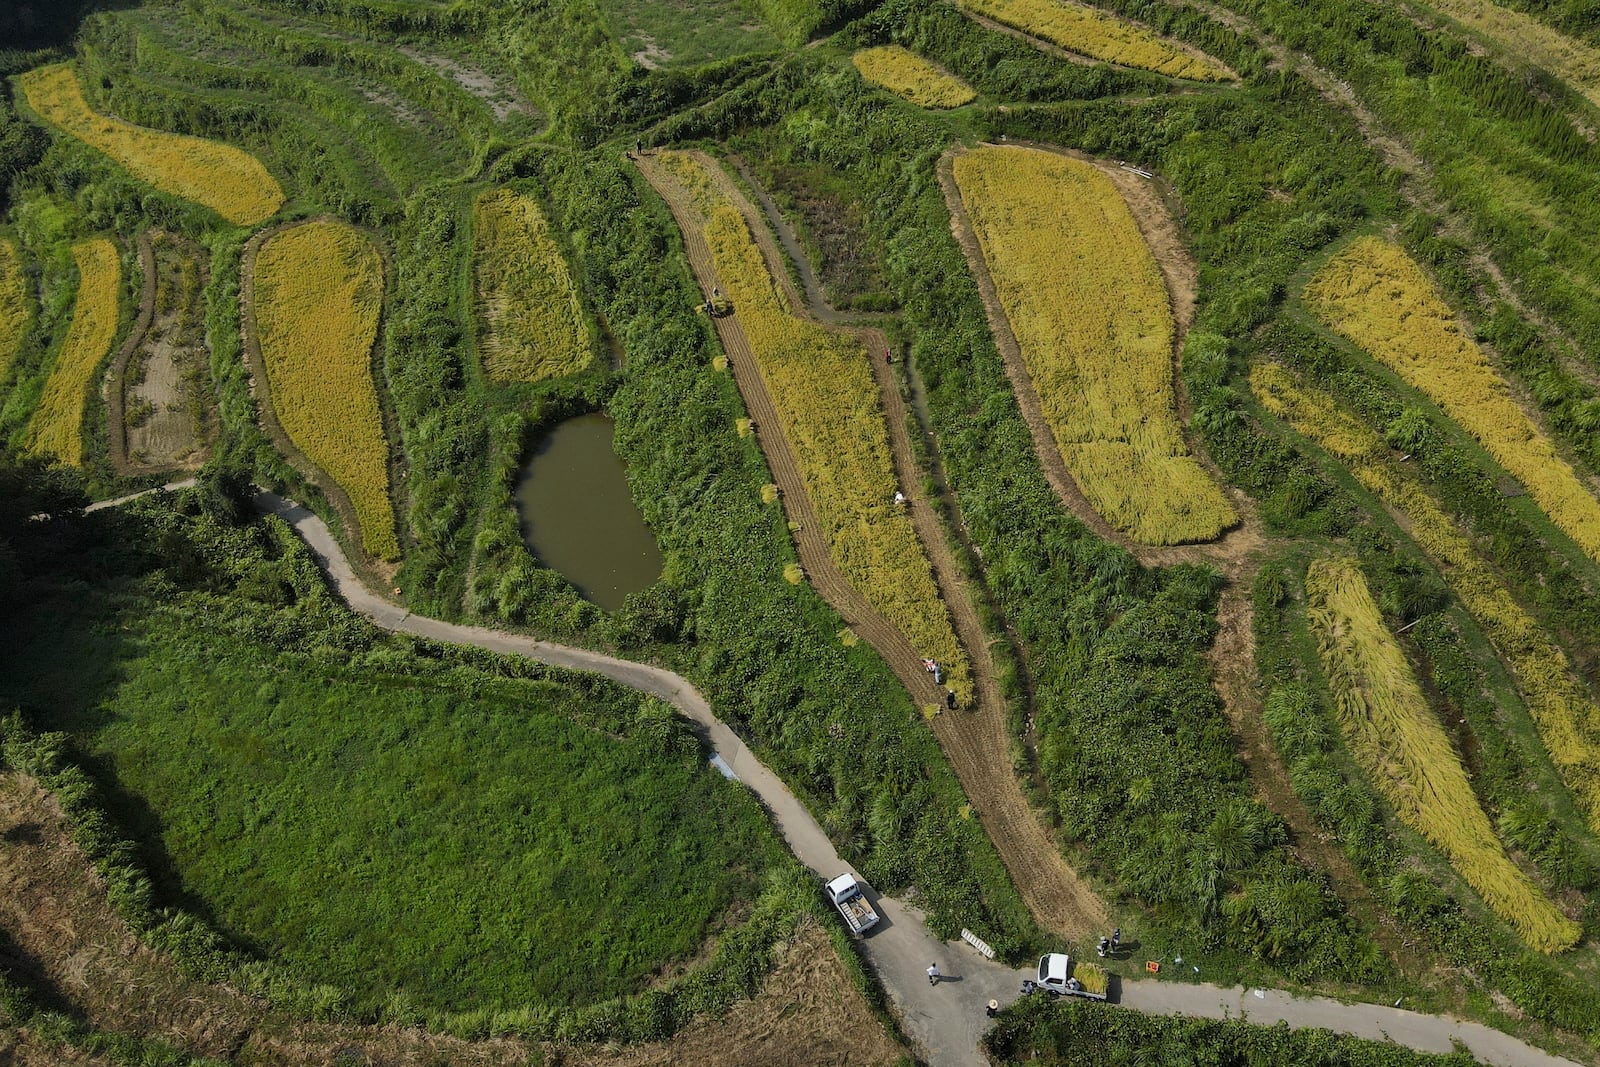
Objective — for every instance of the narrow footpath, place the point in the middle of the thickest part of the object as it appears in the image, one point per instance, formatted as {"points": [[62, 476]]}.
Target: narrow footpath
{"points": [[944, 1022]]}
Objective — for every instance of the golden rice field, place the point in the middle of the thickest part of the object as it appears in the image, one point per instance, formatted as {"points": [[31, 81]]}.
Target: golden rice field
{"points": [[231, 182], [1374, 294], [1573, 61], [531, 320], [318, 296], [1098, 35], [827, 400], [1398, 742], [13, 304], [908, 75], [57, 424], [1087, 304], [1567, 719]]}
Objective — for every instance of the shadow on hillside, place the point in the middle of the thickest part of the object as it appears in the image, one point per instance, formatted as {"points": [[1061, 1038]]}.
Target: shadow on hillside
{"points": [[29, 25]]}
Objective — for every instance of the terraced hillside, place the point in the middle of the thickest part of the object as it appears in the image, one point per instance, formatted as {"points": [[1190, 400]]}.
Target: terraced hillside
{"points": [[1207, 388]]}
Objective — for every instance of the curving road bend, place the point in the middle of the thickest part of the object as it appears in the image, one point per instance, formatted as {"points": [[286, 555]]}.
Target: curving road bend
{"points": [[944, 1022]]}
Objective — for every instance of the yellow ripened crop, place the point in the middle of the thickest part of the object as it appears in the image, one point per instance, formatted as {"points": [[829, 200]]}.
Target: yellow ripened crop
{"points": [[1398, 741], [1374, 294], [57, 424], [907, 74], [827, 400], [1098, 35], [1567, 719], [1525, 37], [532, 320], [231, 182], [318, 295], [13, 304], [1088, 307]]}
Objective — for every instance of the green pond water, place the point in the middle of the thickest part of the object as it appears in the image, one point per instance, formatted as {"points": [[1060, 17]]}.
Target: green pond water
{"points": [[577, 516]]}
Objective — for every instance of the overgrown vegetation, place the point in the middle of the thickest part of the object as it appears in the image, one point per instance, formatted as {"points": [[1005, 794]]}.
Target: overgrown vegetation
{"points": [[531, 319], [1039, 1031], [492, 839], [13, 304]]}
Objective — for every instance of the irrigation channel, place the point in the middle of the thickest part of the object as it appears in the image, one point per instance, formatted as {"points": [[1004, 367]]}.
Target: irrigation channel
{"points": [[945, 1022], [577, 516]]}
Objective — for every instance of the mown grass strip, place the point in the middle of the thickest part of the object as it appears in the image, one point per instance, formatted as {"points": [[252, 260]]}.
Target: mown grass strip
{"points": [[1087, 304], [908, 75], [318, 296], [1098, 35], [530, 317], [1398, 741], [1377, 296], [13, 304], [1567, 719], [833, 420], [225, 179], [57, 424]]}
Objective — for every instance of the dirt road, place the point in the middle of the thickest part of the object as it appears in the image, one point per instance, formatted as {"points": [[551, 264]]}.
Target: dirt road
{"points": [[976, 741]]}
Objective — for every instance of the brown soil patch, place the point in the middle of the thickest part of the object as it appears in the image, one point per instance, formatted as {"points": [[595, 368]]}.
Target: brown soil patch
{"points": [[70, 944], [808, 1015], [160, 410], [976, 741], [504, 100]]}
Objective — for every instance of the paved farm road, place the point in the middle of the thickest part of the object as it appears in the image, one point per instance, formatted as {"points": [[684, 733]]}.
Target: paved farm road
{"points": [[945, 1021]]}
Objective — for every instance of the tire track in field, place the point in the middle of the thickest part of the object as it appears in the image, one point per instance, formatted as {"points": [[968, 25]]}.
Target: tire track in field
{"points": [[976, 742], [1237, 554]]}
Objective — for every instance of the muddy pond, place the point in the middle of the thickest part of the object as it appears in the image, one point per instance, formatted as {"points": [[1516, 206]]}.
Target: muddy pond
{"points": [[577, 516]]}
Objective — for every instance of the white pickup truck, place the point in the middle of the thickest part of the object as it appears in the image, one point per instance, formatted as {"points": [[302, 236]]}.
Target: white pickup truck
{"points": [[845, 892], [1062, 975]]}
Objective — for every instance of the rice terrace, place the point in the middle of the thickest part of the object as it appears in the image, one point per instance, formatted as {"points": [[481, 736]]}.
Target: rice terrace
{"points": [[799, 532]]}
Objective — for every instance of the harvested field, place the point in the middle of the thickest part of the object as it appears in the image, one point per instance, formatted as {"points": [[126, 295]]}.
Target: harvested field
{"points": [[530, 320], [13, 304], [1377, 296], [908, 75], [57, 424], [225, 179], [54, 909], [829, 411], [1098, 35], [1086, 301], [165, 382], [1567, 719], [318, 296], [1399, 743], [808, 1015]]}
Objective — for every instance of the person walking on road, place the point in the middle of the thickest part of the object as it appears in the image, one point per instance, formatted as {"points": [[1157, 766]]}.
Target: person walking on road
{"points": [[933, 974]]}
